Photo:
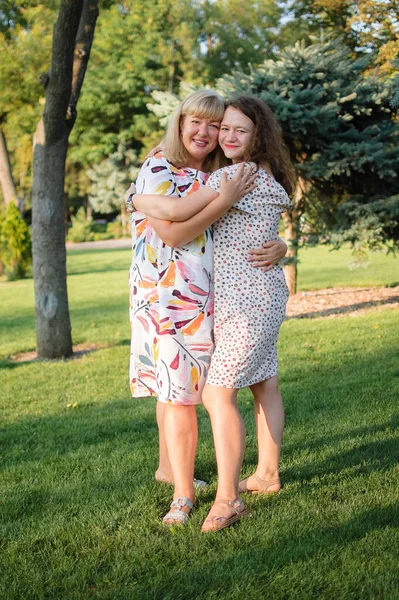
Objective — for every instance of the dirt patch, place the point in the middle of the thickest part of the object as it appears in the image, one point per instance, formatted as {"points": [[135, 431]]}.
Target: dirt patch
{"points": [[79, 350], [337, 302]]}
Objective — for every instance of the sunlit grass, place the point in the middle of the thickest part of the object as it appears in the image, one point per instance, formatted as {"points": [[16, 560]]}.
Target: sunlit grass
{"points": [[81, 515]]}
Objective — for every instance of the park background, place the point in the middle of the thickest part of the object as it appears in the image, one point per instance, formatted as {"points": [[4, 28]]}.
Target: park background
{"points": [[81, 514]]}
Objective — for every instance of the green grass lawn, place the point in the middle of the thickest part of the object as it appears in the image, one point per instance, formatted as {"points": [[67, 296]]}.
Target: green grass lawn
{"points": [[98, 292], [321, 267], [81, 514]]}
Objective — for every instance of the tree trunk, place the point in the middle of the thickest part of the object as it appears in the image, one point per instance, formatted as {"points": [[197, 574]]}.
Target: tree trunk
{"points": [[53, 328], [292, 234], [6, 180], [291, 223]]}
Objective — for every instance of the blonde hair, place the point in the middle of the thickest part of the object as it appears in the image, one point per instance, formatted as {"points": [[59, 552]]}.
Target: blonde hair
{"points": [[204, 104]]}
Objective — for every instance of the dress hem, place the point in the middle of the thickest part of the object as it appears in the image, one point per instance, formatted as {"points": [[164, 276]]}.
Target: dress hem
{"points": [[177, 403], [240, 387]]}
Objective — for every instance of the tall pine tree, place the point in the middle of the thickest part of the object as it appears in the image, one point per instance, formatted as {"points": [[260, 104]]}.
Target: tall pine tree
{"points": [[343, 139]]}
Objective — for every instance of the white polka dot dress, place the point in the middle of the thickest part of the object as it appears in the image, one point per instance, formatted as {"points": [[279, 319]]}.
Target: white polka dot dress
{"points": [[249, 305]]}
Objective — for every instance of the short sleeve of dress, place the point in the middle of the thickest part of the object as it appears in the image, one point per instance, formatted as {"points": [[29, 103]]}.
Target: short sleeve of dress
{"points": [[273, 192], [214, 181], [268, 192], [245, 204], [156, 177]]}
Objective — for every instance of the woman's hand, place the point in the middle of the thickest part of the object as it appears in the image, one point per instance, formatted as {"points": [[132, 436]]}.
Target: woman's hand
{"points": [[269, 255], [232, 190]]}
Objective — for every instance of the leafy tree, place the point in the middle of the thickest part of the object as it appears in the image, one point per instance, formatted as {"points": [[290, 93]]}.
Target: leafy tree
{"points": [[72, 39], [236, 33], [15, 14], [367, 26], [140, 46], [110, 179], [343, 139], [377, 27], [307, 18], [143, 47], [25, 35]]}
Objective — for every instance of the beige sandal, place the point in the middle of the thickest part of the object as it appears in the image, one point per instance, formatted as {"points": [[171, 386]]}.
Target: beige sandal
{"points": [[216, 523], [263, 485]]}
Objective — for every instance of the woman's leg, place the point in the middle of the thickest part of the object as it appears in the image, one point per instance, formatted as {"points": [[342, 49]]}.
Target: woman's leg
{"points": [[229, 440], [269, 418], [164, 471], [181, 435]]}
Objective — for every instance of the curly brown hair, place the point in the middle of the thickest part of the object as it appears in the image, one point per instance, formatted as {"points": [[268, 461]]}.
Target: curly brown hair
{"points": [[268, 149]]}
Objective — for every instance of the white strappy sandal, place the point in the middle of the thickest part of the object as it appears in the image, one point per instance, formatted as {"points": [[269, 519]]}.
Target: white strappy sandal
{"points": [[176, 514]]}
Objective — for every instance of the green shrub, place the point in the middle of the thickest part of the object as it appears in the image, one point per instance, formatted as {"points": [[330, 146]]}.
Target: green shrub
{"points": [[98, 227], [81, 229], [115, 229], [98, 237], [15, 244]]}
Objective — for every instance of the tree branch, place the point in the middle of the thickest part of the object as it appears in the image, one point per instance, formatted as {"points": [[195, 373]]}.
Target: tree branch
{"points": [[59, 87], [84, 40], [6, 180]]}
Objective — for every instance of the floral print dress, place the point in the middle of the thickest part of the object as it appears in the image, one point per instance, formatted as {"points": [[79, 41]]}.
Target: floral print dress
{"points": [[171, 297], [249, 304]]}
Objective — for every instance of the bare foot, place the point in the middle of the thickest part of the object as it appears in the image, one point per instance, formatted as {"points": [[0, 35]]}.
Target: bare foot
{"points": [[163, 477]]}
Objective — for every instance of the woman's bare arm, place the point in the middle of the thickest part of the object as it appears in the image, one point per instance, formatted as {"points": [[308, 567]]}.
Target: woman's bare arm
{"points": [[173, 208], [179, 234]]}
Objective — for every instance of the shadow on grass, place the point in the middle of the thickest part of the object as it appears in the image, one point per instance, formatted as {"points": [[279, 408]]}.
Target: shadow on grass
{"points": [[41, 437], [9, 364], [249, 572], [15, 327], [91, 266], [92, 433], [20, 323], [364, 459], [369, 457], [18, 359], [91, 424]]}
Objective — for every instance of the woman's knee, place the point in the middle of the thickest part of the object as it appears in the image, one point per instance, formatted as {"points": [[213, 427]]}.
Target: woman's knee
{"points": [[214, 398], [265, 388]]}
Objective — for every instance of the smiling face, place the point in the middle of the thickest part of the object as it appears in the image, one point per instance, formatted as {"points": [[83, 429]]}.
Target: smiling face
{"points": [[200, 137], [236, 134]]}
